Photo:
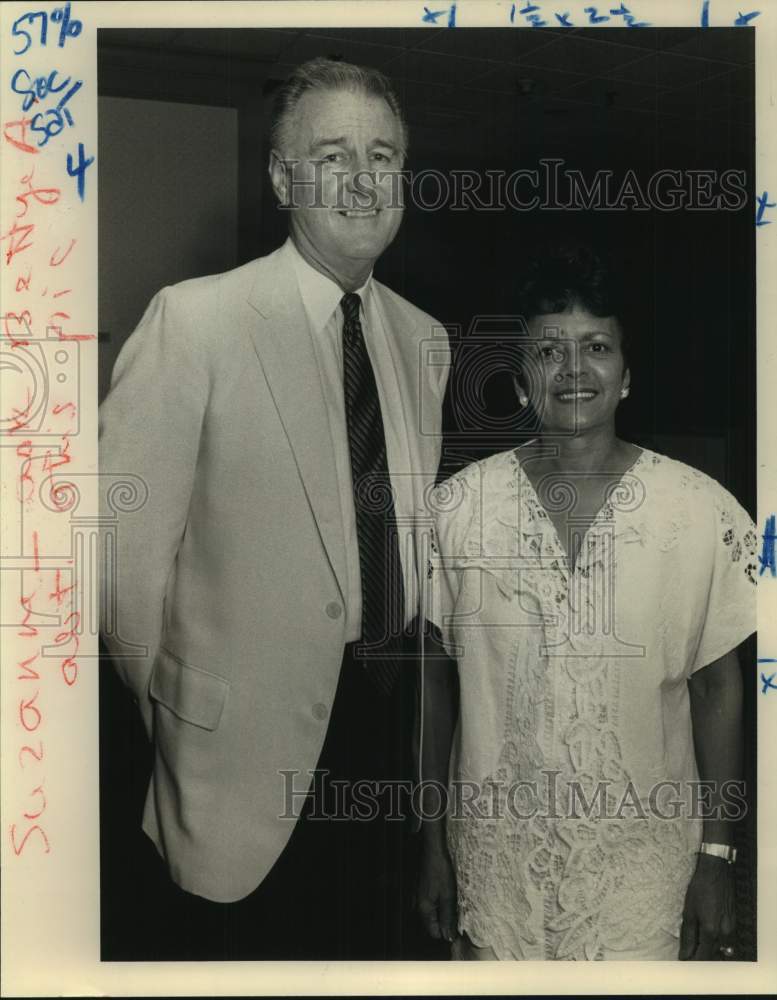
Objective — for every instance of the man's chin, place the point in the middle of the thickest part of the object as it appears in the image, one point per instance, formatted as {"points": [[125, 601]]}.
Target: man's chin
{"points": [[366, 249], [364, 253], [367, 235]]}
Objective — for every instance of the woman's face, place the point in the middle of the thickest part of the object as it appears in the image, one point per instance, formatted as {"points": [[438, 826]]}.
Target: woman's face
{"points": [[577, 372]]}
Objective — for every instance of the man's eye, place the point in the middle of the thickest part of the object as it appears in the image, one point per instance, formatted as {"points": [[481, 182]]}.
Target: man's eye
{"points": [[599, 348], [381, 157], [331, 158], [551, 352]]}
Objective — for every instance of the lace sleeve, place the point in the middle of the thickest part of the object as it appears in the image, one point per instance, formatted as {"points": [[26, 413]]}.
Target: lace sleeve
{"points": [[730, 615], [452, 506]]}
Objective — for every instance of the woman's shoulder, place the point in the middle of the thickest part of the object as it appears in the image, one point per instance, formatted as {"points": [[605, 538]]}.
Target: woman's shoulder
{"points": [[686, 483], [495, 467], [471, 485], [677, 473]]}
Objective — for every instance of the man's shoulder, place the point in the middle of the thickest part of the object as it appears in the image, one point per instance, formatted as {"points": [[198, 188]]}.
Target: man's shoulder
{"points": [[415, 319], [215, 290]]}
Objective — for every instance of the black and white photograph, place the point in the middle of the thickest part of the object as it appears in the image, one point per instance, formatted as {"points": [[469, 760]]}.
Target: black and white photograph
{"points": [[574, 210], [428, 519]]}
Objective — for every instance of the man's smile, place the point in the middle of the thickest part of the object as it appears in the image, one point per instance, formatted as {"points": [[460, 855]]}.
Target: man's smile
{"points": [[359, 213]]}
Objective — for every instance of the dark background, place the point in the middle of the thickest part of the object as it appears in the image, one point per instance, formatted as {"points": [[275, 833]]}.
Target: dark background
{"points": [[184, 191]]}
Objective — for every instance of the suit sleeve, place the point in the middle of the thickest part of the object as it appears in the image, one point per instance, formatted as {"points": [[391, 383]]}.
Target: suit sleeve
{"points": [[441, 364], [149, 426]]}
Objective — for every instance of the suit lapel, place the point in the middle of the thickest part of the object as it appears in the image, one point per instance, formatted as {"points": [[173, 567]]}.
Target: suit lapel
{"points": [[404, 347], [406, 344], [283, 344]]}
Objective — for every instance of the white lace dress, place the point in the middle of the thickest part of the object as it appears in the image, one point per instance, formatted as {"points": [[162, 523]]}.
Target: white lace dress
{"points": [[573, 770]]}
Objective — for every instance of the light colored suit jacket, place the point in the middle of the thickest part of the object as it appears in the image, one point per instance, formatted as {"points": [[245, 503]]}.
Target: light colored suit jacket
{"points": [[232, 573]]}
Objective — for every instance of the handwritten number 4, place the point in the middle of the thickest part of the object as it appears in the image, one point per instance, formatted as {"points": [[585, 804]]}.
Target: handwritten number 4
{"points": [[79, 169]]}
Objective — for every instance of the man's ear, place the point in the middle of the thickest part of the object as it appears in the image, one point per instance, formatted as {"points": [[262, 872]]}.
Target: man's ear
{"points": [[279, 177]]}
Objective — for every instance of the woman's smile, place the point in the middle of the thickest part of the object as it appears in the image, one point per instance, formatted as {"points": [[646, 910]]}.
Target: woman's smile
{"points": [[576, 395]]}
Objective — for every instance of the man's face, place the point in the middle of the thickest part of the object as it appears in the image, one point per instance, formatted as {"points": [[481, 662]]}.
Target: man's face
{"points": [[344, 188]]}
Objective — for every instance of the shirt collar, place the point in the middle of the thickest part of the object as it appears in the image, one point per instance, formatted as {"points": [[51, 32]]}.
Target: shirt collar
{"points": [[320, 295]]}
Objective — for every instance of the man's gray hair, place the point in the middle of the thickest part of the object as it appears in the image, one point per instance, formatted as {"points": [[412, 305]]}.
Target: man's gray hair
{"points": [[328, 74]]}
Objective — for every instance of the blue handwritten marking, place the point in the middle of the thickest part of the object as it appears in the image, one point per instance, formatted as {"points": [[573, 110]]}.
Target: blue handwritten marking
{"points": [[430, 16], [744, 19], [35, 90], [79, 170], [48, 129], [563, 20], [630, 19], [69, 28], [16, 30], [705, 14], [58, 117], [512, 14], [763, 204], [535, 20], [768, 682], [767, 557], [63, 100], [593, 17]]}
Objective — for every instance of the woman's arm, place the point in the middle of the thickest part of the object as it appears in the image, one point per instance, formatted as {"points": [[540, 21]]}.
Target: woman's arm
{"points": [[437, 883], [716, 718]]}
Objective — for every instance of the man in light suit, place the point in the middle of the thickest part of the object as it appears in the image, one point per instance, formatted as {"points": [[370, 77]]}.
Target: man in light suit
{"points": [[242, 400]]}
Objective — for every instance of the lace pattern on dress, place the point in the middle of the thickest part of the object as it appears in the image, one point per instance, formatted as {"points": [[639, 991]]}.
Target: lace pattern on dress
{"points": [[550, 885]]}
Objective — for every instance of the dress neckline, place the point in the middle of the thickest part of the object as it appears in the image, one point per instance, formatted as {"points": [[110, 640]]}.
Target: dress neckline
{"points": [[571, 564]]}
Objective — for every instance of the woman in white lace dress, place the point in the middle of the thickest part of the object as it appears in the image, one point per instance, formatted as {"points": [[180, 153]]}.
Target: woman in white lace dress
{"points": [[593, 594]]}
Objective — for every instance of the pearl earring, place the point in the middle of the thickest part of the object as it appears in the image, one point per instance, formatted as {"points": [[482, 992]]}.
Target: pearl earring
{"points": [[624, 393], [523, 400]]}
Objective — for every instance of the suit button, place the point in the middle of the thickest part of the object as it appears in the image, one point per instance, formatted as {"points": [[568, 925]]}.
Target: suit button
{"points": [[333, 609], [320, 711]]}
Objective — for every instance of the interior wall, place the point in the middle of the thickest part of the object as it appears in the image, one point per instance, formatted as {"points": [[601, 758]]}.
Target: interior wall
{"points": [[168, 209]]}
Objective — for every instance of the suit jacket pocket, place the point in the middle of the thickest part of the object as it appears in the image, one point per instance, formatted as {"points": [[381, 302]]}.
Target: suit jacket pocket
{"points": [[190, 693]]}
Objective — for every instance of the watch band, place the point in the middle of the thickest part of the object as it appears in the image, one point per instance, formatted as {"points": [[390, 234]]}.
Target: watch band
{"points": [[723, 851]]}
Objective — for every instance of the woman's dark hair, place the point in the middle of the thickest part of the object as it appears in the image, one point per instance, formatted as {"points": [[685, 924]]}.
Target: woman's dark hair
{"points": [[568, 273]]}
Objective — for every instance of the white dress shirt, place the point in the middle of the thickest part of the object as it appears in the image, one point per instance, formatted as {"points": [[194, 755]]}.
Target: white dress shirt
{"points": [[321, 297]]}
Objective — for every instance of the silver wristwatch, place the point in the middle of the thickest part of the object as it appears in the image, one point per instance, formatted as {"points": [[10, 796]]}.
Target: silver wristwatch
{"points": [[723, 851]]}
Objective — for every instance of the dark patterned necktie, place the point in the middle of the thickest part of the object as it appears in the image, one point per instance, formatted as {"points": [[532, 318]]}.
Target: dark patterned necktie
{"points": [[383, 597]]}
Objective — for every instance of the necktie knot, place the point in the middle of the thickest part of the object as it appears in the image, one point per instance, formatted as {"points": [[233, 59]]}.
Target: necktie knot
{"points": [[350, 304]]}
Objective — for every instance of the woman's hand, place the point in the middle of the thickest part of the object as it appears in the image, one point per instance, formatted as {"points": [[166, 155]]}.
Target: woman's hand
{"points": [[709, 918], [437, 892]]}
